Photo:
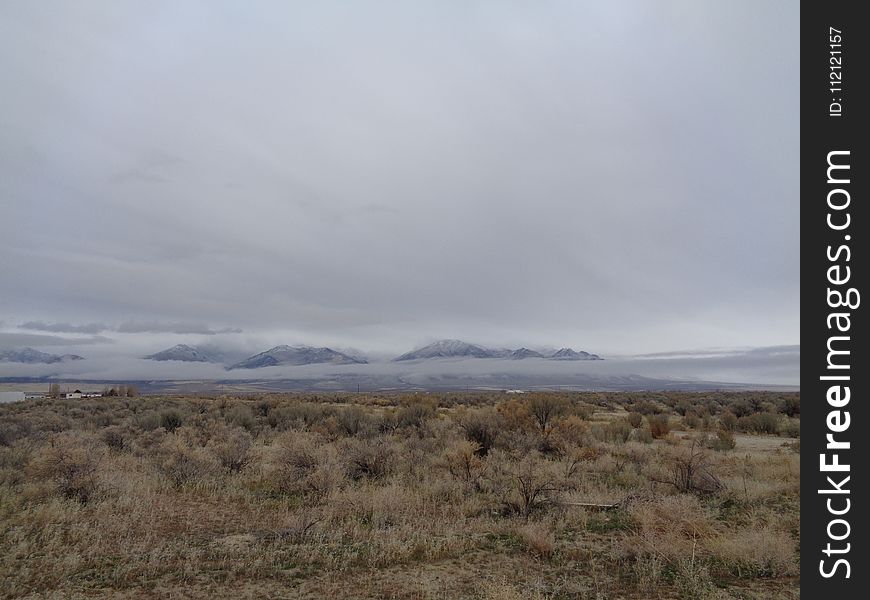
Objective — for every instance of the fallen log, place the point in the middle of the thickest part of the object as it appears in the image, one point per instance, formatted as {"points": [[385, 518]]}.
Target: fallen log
{"points": [[593, 505]]}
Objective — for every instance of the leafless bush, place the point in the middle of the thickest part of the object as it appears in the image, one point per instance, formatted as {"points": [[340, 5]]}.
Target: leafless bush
{"points": [[182, 464], [689, 471], [70, 462], [571, 431], [117, 438], [545, 408], [306, 469], [525, 485], [480, 428], [351, 420], [465, 464], [232, 448], [367, 459], [241, 415], [415, 414]]}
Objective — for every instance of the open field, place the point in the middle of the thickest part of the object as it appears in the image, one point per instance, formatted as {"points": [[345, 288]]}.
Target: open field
{"points": [[487, 496]]}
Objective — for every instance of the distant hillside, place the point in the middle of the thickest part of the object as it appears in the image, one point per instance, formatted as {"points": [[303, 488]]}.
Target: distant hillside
{"points": [[447, 349], [458, 349], [184, 353], [522, 353], [31, 356], [297, 355], [569, 354]]}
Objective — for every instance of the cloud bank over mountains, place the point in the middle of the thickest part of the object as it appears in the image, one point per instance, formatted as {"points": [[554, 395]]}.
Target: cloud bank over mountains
{"points": [[337, 175]]}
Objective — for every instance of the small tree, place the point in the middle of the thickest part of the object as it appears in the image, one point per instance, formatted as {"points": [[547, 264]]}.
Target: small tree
{"points": [[54, 390], [545, 408], [534, 483], [689, 472]]}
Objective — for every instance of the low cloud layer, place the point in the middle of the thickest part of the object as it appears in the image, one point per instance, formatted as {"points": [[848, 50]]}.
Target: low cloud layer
{"points": [[179, 328], [757, 367]]}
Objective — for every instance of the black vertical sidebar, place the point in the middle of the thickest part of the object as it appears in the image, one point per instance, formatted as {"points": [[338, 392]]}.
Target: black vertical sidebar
{"points": [[834, 372]]}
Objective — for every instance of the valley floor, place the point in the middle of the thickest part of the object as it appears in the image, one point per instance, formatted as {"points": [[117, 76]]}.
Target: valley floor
{"points": [[479, 496]]}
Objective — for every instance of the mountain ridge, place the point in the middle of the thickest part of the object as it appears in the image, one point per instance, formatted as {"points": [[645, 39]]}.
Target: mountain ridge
{"points": [[296, 355], [31, 356], [451, 348]]}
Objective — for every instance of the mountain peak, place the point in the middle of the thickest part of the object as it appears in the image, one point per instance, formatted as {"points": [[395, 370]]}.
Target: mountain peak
{"points": [[182, 352], [570, 354], [447, 349], [296, 355], [29, 355], [521, 353]]}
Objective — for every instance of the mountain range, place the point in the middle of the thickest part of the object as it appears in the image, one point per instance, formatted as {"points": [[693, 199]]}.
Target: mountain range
{"points": [[310, 355], [31, 356], [458, 348]]}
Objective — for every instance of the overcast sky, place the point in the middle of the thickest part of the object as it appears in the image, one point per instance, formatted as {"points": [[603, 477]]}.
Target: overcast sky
{"points": [[619, 177]]}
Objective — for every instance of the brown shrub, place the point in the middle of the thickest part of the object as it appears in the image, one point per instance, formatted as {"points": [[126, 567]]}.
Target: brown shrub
{"points": [[545, 409], [538, 539], [723, 441], [232, 448], [659, 426], [367, 459], [415, 414], [527, 484], [481, 428], [728, 421], [515, 415], [305, 468], [117, 438], [688, 471], [464, 463], [70, 462], [182, 464]]}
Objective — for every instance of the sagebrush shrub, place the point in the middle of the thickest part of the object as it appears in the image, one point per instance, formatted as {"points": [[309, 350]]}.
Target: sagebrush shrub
{"points": [[659, 426], [232, 448], [71, 462]]}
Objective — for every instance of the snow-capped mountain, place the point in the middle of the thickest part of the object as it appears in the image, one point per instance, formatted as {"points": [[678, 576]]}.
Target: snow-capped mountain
{"points": [[31, 356], [569, 354], [296, 355], [458, 349], [448, 349], [184, 353], [521, 353]]}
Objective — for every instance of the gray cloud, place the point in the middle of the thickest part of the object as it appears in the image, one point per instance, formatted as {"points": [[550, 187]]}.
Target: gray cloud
{"points": [[620, 177], [179, 328], [130, 327], [65, 327], [32, 339]]}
